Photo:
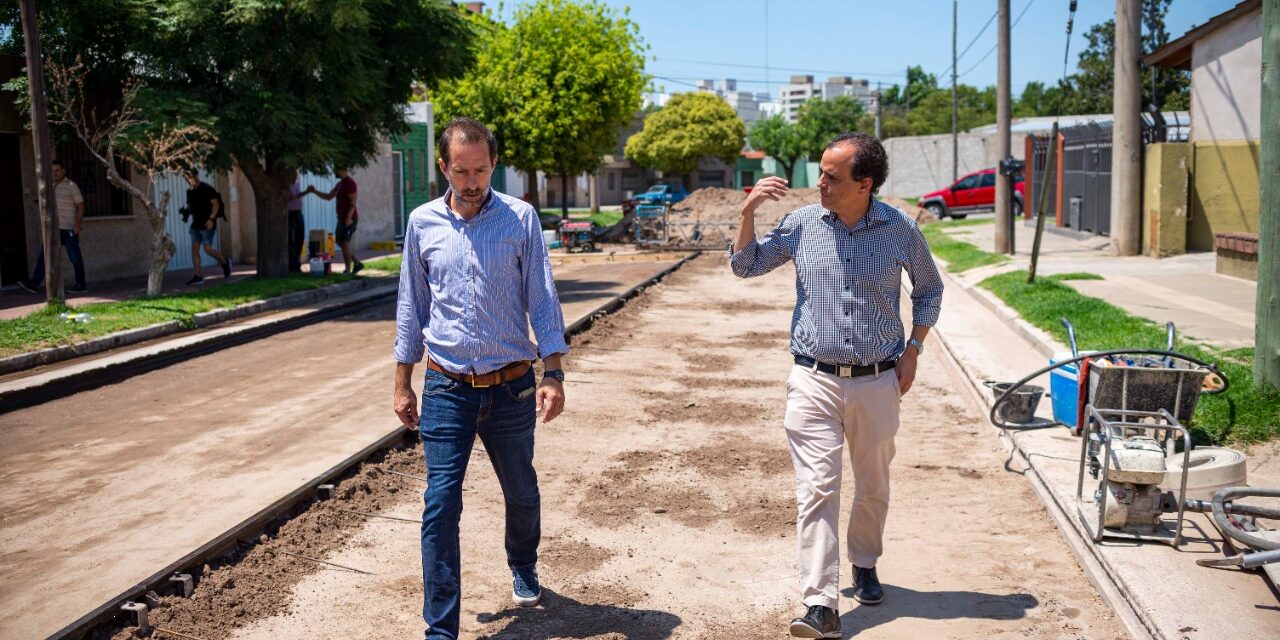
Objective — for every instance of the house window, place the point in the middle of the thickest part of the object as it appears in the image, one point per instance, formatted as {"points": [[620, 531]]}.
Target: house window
{"points": [[612, 181], [410, 176], [101, 198]]}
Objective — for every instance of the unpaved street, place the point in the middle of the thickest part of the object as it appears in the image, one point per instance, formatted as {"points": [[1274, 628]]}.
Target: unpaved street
{"points": [[668, 508], [103, 488]]}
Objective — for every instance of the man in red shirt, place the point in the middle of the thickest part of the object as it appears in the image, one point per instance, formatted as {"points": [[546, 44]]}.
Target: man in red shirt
{"points": [[348, 216]]}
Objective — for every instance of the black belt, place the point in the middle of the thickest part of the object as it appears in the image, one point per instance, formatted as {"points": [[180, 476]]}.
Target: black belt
{"points": [[845, 370]]}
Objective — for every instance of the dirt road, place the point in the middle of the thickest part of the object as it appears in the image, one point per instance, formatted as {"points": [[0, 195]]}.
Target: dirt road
{"points": [[668, 508], [103, 488]]}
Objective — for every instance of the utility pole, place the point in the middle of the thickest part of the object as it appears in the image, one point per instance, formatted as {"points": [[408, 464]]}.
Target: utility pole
{"points": [[1266, 364], [1126, 152], [908, 92], [879, 112], [955, 100], [1004, 192], [41, 142]]}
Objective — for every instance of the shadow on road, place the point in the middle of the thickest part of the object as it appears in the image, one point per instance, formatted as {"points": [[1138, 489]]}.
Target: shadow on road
{"points": [[900, 602], [562, 617]]}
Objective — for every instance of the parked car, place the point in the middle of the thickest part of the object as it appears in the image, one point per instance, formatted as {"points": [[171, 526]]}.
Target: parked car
{"points": [[660, 193], [973, 193]]}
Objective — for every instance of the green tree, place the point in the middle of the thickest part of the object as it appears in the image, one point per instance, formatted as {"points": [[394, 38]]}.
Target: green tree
{"points": [[1090, 89], [1037, 100], [780, 139], [820, 120], [933, 114], [690, 127], [556, 86], [288, 83]]}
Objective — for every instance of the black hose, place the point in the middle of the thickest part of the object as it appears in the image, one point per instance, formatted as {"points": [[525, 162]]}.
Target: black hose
{"points": [[1213, 368], [1220, 516]]}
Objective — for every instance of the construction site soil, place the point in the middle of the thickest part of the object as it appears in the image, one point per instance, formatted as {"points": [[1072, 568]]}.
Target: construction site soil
{"points": [[668, 509], [716, 204]]}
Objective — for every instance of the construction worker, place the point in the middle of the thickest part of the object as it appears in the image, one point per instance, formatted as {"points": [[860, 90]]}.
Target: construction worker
{"points": [[852, 361], [475, 277]]}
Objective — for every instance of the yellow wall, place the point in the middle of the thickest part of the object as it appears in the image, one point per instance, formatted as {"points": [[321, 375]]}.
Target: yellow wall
{"points": [[1165, 183], [1224, 191]]}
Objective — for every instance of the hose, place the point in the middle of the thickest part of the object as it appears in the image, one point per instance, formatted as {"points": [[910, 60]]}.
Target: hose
{"points": [[1220, 516], [1213, 368]]}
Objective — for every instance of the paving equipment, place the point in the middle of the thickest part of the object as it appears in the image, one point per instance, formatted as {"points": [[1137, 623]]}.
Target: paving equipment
{"points": [[1132, 406], [578, 236]]}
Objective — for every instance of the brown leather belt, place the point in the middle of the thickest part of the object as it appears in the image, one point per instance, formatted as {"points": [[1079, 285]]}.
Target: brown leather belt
{"points": [[501, 376]]}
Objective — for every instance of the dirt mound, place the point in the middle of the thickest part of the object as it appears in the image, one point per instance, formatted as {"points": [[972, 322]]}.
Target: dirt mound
{"points": [[716, 204]]}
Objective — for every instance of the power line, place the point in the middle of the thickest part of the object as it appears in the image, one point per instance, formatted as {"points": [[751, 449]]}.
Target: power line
{"points": [[997, 45], [756, 66]]}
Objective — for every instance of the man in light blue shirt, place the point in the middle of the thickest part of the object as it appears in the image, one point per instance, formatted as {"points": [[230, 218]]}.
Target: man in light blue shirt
{"points": [[475, 277]]}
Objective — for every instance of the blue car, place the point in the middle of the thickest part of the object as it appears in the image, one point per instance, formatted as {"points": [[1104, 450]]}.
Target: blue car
{"points": [[662, 194]]}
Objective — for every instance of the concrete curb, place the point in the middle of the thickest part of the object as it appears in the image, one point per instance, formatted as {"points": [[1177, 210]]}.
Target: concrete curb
{"points": [[62, 353], [44, 386], [1101, 574]]}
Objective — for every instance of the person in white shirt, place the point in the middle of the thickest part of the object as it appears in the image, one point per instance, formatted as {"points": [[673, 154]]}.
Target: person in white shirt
{"points": [[69, 204]]}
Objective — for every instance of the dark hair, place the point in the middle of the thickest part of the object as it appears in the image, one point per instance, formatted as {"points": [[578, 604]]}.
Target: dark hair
{"points": [[869, 157], [57, 163], [466, 131]]}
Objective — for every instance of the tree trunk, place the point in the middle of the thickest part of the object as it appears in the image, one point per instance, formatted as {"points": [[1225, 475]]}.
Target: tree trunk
{"points": [[269, 186], [531, 182], [790, 168], [564, 196], [162, 246]]}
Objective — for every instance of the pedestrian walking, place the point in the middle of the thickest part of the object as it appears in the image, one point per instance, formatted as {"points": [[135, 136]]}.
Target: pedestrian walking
{"points": [[474, 279], [204, 204], [345, 193], [852, 361], [69, 205]]}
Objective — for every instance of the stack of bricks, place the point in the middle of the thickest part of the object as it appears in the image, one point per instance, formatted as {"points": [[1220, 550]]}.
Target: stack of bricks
{"points": [[1237, 254]]}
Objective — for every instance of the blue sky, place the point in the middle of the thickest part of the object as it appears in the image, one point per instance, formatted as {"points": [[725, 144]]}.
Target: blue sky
{"points": [[875, 40]]}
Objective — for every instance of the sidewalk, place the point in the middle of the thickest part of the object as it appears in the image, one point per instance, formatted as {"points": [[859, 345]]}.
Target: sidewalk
{"points": [[1157, 591], [15, 303], [1202, 304]]}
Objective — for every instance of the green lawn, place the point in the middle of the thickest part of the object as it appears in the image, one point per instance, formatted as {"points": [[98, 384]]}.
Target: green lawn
{"points": [[1244, 414], [959, 255], [45, 328]]}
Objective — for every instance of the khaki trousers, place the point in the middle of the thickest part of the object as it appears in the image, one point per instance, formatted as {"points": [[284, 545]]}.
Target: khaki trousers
{"points": [[823, 413]]}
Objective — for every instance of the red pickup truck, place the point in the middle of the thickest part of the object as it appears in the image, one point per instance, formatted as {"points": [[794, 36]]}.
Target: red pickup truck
{"points": [[973, 193]]}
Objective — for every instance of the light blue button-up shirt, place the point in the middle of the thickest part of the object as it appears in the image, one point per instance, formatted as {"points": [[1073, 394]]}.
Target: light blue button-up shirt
{"points": [[848, 280], [470, 289]]}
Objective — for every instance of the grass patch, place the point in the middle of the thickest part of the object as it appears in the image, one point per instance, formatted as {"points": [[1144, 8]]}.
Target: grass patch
{"points": [[44, 328], [1244, 414], [389, 264], [959, 255]]}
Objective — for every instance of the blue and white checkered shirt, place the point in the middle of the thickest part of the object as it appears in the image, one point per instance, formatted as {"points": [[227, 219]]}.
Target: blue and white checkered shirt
{"points": [[848, 281], [470, 289]]}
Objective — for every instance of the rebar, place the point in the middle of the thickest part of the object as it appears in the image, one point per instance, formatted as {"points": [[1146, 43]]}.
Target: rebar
{"points": [[332, 564]]}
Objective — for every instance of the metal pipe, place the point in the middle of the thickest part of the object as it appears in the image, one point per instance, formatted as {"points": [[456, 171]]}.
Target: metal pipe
{"points": [[1244, 560], [1203, 506]]}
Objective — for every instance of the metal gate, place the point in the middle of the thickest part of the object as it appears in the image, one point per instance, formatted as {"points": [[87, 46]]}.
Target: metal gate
{"points": [[1086, 175], [176, 185]]}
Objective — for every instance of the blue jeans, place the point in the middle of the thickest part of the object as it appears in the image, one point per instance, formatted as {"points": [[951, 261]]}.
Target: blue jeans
{"points": [[71, 240], [453, 414]]}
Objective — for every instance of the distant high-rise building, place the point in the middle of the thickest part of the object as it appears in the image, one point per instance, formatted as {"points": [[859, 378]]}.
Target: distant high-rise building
{"points": [[802, 88]]}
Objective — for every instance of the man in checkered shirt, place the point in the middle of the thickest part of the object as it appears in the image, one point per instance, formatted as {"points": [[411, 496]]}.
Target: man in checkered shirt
{"points": [[852, 364]]}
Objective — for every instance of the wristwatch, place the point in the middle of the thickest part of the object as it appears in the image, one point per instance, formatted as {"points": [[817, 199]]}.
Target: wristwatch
{"points": [[917, 344], [556, 374]]}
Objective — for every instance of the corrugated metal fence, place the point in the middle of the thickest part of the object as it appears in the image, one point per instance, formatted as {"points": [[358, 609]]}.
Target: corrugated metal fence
{"points": [[176, 185]]}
